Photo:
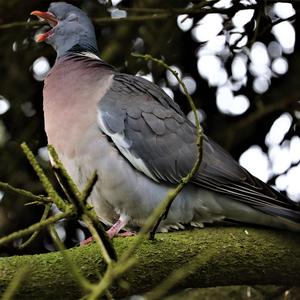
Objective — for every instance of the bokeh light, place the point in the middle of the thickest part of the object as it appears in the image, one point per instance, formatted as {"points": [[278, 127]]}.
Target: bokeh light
{"points": [[278, 130], [208, 27], [280, 65], [285, 35], [40, 68], [190, 84], [256, 162], [4, 105], [184, 23]]}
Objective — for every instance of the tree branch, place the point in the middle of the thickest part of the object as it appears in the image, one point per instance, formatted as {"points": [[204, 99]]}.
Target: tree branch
{"points": [[28, 196], [263, 256], [153, 14]]}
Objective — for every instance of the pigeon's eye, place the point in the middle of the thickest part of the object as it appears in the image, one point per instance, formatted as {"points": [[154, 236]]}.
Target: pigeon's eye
{"points": [[72, 17]]}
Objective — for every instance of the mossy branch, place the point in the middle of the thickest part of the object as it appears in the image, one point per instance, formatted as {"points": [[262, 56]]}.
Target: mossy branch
{"points": [[15, 283], [263, 256], [55, 198], [24, 194], [88, 188], [79, 203], [82, 281], [67, 183]]}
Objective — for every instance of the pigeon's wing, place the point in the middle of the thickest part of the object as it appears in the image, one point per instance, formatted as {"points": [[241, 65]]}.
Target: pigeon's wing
{"points": [[148, 128], [151, 131]]}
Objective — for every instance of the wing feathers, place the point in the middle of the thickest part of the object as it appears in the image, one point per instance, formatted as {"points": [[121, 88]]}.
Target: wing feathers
{"points": [[156, 124], [151, 131]]}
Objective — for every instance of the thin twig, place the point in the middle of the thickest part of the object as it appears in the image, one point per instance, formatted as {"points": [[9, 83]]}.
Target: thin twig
{"points": [[154, 16], [83, 282], [37, 226], [43, 178], [113, 272], [35, 234], [23, 24], [65, 179], [79, 202], [257, 115], [199, 137], [15, 283], [259, 13], [23, 193], [101, 240], [278, 21], [89, 188]]}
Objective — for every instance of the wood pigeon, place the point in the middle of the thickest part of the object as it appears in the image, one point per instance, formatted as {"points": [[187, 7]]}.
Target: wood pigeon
{"points": [[140, 142]]}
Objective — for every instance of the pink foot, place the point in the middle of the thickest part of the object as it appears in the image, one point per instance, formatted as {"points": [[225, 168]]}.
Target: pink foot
{"points": [[126, 234], [87, 241], [115, 229]]}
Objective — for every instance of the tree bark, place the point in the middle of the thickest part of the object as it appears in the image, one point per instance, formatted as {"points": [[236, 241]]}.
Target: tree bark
{"points": [[228, 256]]}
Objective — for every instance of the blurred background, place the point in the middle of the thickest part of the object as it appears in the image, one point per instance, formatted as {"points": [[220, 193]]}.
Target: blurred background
{"points": [[240, 61]]}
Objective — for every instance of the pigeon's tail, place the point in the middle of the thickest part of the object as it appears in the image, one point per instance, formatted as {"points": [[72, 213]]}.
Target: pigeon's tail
{"points": [[275, 216], [288, 224], [284, 218]]}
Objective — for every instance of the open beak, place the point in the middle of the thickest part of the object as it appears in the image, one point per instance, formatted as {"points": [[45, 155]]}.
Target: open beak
{"points": [[48, 17]]}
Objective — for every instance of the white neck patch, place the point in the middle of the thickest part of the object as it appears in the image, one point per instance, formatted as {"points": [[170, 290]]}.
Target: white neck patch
{"points": [[89, 55]]}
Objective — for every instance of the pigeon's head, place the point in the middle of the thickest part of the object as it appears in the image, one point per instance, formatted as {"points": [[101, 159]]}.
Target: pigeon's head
{"points": [[71, 29]]}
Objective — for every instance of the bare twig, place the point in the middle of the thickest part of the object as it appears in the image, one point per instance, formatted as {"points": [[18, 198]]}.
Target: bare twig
{"points": [[155, 14], [67, 183], [44, 180], [89, 188], [23, 193], [23, 24], [101, 240], [36, 227], [79, 203], [83, 282], [35, 234]]}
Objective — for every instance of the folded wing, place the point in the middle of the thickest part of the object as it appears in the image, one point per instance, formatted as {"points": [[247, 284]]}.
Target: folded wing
{"points": [[151, 131]]}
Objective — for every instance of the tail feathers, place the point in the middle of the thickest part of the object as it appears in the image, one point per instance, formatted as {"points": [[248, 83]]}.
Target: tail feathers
{"points": [[282, 213], [289, 225], [267, 215], [277, 222]]}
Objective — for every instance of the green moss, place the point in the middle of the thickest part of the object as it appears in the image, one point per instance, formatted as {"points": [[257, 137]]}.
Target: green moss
{"points": [[228, 256], [230, 293]]}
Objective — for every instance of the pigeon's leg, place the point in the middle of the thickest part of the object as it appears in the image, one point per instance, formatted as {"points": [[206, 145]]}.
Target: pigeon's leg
{"points": [[115, 229], [126, 233], [87, 241]]}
